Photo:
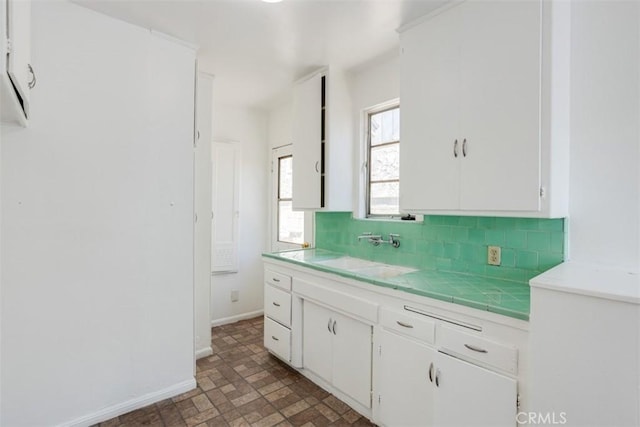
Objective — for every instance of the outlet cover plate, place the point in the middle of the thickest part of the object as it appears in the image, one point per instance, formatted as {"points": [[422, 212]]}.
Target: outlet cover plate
{"points": [[493, 255]]}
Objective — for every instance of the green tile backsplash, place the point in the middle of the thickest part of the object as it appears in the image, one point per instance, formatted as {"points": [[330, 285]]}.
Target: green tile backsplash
{"points": [[451, 243]]}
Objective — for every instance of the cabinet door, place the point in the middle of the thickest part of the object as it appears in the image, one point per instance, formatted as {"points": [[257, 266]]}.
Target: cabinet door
{"points": [[500, 105], [307, 143], [352, 358], [19, 32], [429, 93], [317, 337], [404, 388], [468, 395]]}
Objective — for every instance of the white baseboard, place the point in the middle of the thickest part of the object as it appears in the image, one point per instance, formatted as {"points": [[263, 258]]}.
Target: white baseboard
{"points": [[130, 405], [204, 352], [236, 318]]}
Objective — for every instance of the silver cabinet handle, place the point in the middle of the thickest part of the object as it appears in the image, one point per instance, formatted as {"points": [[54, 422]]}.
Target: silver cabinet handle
{"points": [[274, 338], [329, 325], [32, 82], [437, 377], [404, 325], [474, 348], [431, 372], [455, 148], [316, 166], [276, 304], [334, 327], [276, 280], [464, 147]]}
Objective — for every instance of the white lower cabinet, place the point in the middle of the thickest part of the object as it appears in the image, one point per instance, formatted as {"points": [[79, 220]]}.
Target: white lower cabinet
{"points": [[405, 395], [402, 361], [467, 395], [426, 376], [419, 386], [337, 348], [277, 338]]}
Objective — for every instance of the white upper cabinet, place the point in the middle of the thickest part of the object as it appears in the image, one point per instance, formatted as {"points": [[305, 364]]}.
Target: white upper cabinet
{"points": [[484, 95], [307, 144], [17, 76], [322, 142]]}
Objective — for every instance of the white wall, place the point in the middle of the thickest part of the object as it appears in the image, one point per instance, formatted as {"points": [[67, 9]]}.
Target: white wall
{"points": [[605, 134], [97, 220], [279, 126], [248, 128]]}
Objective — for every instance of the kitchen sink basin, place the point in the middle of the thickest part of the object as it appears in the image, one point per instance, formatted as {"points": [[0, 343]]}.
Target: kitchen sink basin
{"points": [[348, 263], [384, 271], [366, 268]]}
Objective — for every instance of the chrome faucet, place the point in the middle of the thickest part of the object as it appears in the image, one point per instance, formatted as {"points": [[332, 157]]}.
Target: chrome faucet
{"points": [[376, 239]]}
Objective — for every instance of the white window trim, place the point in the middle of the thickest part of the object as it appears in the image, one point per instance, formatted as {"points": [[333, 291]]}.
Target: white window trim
{"points": [[362, 158], [309, 229]]}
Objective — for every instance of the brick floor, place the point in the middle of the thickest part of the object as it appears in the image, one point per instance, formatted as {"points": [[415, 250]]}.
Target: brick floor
{"points": [[241, 384]]}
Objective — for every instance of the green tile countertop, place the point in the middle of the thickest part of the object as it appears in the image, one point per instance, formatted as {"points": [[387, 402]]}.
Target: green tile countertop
{"points": [[509, 298]]}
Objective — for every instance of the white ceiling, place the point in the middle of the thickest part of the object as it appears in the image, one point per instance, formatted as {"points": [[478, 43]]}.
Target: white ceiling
{"points": [[256, 50]]}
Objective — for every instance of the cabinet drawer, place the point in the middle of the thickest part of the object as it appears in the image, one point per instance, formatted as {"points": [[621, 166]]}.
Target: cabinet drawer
{"points": [[277, 305], [474, 348], [278, 280], [409, 324], [277, 338]]}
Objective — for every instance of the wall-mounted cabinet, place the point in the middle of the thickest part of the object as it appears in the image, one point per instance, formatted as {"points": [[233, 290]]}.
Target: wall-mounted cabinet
{"points": [[322, 142], [17, 77], [484, 92]]}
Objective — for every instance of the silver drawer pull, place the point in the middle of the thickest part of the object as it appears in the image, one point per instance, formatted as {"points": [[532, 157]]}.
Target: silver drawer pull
{"points": [[404, 325], [276, 304], [329, 325], [274, 338], [474, 348], [437, 377], [276, 280], [431, 372]]}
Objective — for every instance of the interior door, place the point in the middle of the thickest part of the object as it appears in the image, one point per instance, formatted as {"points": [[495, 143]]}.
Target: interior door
{"points": [[225, 206]]}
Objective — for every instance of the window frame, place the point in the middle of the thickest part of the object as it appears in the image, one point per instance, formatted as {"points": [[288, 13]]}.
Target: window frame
{"points": [[274, 183], [280, 199], [368, 114]]}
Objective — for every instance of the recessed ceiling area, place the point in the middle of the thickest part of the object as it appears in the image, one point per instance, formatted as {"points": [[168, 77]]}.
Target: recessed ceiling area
{"points": [[256, 50]]}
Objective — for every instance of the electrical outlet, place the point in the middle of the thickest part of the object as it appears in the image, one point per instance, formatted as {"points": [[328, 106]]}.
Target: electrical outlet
{"points": [[235, 296], [493, 255]]}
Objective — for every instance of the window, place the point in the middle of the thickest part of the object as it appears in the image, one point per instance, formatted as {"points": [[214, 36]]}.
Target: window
{"points": [[383, 160], [290, 229], [290, 223]]}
